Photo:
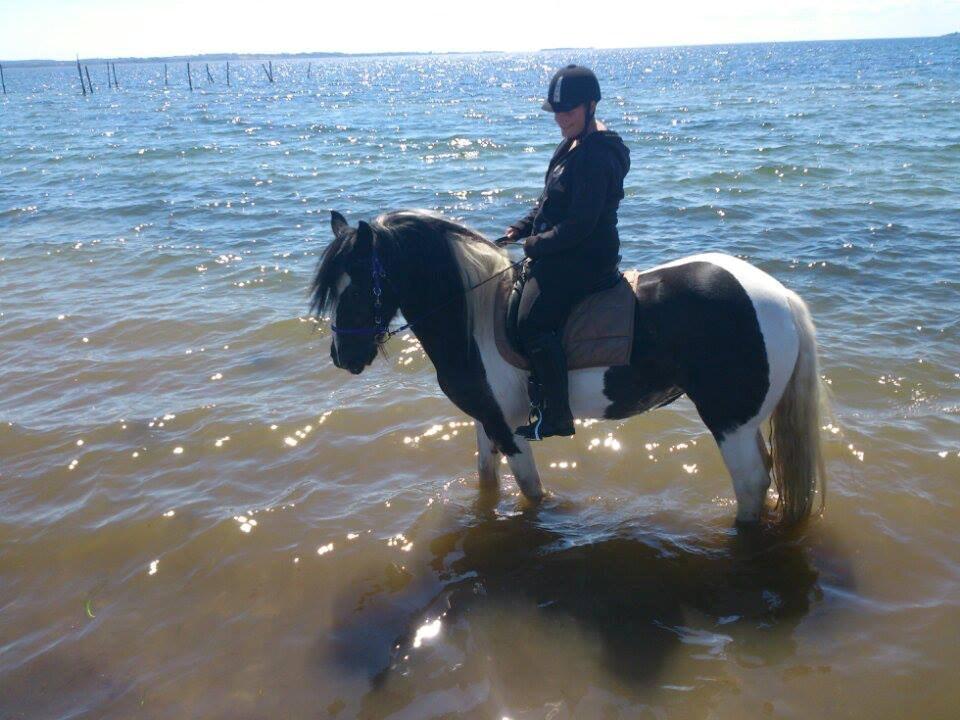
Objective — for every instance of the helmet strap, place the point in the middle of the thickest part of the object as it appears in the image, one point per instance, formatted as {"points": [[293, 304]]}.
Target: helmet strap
{"points": [[588, 117]]}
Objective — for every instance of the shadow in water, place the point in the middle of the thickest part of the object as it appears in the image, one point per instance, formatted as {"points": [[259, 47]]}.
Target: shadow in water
{"points": [[511, 598]]}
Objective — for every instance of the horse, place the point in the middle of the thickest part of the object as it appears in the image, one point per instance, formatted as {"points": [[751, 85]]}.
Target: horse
{"points": [[739, 344]]}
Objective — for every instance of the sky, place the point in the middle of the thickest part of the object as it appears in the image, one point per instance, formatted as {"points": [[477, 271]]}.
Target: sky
{"points": [[61, 29]]}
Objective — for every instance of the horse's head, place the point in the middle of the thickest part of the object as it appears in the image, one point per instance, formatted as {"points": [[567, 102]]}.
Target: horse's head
{"points": [[351, 284]]}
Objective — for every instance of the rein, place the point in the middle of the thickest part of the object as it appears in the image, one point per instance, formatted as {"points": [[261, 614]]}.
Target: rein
{"points": [[380, 330]]}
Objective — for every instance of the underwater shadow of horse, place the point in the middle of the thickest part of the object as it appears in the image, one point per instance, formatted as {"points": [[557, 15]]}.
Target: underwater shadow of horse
{"points": [[634, 601]]}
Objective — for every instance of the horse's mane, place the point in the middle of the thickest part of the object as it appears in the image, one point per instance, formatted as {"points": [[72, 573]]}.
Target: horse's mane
{"points": [[452, 256], [331, 266]]}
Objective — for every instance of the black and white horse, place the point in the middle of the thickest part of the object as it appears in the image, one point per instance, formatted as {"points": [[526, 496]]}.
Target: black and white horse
{"points": [[714, 327]]}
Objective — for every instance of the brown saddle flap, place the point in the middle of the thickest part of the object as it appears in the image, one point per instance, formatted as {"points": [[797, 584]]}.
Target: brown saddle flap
{"points": [[598, 333]]}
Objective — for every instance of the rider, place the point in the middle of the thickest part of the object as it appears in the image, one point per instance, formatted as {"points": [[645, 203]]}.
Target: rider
{"points": [[570, 238]]}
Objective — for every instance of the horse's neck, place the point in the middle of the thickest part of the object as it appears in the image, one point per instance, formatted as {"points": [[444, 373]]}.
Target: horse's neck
{"points": [[441, 331], [443, 338]]}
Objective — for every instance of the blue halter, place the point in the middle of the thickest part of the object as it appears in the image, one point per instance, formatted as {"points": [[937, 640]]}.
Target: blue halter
{"points": [[379, 330]]}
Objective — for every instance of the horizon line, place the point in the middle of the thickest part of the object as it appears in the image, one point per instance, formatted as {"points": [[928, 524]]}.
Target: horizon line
{"points": [[46, 62]]}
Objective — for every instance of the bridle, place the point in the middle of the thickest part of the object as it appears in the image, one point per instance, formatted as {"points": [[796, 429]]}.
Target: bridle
{"points": [[380, 330]]}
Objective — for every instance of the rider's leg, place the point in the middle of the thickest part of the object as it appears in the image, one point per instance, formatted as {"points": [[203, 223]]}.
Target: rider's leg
{"points": [[548, 296], [550, 367]]}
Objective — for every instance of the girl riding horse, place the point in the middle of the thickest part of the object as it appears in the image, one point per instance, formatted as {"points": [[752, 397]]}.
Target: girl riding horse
{"points": [[570, 238]]}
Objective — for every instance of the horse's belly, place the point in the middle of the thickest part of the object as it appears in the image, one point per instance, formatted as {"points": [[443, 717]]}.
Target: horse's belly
{"points": [[586, 393]]}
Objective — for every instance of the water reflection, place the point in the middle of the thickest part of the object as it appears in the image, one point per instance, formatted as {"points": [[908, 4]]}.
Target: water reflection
{"points": [[531, 615]]}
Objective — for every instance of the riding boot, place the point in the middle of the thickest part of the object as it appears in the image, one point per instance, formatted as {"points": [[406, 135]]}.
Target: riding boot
{"points": [[549, 365]]}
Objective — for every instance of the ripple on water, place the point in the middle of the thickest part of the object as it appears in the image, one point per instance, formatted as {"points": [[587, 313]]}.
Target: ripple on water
{"points": [[194, 499]]}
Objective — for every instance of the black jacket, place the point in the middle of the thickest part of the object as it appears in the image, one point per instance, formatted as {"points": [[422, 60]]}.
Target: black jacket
{"points": [[576, 214]]}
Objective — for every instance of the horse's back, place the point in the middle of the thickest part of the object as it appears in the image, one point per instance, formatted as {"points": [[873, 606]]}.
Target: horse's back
{"points": [[725, 281]]}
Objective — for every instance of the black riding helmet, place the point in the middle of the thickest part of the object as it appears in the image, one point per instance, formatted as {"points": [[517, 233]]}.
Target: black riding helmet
{"points": [[571, 86]]}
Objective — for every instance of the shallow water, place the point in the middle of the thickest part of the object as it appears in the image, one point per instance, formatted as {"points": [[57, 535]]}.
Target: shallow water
{"points": [[201, 517]]}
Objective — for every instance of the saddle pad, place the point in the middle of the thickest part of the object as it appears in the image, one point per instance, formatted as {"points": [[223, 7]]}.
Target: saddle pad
{"points": [[598, 333]]}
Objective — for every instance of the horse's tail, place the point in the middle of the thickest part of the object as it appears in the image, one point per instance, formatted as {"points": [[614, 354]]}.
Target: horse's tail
{"points": [[798, 467]]}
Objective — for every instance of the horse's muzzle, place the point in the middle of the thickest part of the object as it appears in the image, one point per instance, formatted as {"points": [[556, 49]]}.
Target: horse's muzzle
{"points": [[354, 366]]}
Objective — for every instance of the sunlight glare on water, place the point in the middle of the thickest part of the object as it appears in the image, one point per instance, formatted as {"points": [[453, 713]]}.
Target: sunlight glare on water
{"points": [[202, 517]]}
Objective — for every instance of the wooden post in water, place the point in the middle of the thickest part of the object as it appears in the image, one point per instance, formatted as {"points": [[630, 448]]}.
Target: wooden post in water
{"points": [[308, 70], [2, 81], [209, 76], [189, 77], [228, 74], [268, 72], [165, 83], [109, 81], [115, 83], [87, 71], [80, 73]]}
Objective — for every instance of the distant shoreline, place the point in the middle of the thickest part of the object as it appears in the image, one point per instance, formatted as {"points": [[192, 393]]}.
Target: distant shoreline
{"points": [[235, 57], [257, 57]]}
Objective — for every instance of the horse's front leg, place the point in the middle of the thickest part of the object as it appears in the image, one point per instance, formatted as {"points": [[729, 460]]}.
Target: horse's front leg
{"points": [[488, 460], [524, 469]]}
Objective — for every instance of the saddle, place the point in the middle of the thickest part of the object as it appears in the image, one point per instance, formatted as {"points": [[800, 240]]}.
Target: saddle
{"points": [[598, 333]]}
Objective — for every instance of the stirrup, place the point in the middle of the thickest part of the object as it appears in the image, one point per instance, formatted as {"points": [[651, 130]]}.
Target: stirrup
{"points": [[531, 431], [538, 429]]}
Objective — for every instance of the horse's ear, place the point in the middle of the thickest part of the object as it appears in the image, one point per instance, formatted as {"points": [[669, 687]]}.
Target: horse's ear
{"points": [[338, 223], [364, 237]]}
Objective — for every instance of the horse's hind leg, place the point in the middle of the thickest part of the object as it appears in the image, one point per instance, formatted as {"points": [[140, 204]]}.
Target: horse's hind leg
{"points": [[747, 464], [488, 460], [764, 452]]}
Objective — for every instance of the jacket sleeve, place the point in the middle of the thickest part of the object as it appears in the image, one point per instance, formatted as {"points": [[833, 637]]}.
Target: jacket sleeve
{"points": [[525, 224], [588, 198]]}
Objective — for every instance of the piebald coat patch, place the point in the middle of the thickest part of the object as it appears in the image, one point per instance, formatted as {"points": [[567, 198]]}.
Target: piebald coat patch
{"points": [[710, 326]]}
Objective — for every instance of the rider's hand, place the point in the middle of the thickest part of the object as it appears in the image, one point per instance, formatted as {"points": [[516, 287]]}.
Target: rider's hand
{"points": [[530, 247], [509, 236]]}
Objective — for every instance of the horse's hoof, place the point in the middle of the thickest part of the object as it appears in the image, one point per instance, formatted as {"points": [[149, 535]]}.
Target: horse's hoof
{"points": [[533, 498], [748, 527]]}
